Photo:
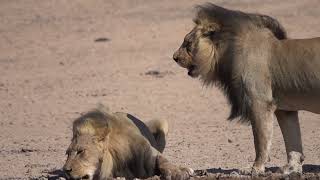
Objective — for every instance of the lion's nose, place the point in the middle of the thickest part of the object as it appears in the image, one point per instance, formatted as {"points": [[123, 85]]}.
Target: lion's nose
{"points": [[67, 169], [175, 57]]}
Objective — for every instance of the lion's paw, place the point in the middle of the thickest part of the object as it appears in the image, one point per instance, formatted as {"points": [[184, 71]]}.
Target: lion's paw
{"points": [[295, 163], [178, 173], [289, 169], [257, 170]]}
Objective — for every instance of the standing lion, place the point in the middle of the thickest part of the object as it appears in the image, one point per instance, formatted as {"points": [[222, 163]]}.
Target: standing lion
{"points": [[261, 72], [108, 145]]}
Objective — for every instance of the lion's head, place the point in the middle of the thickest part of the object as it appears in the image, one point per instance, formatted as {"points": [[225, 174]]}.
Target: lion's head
{"points": [[216, 37], [86, 151]]}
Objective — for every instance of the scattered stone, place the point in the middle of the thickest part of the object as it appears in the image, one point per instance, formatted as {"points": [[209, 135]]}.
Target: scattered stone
{"points": [[158, 74], [234, 173], [153, 73], [102, 40], [24, 150]]}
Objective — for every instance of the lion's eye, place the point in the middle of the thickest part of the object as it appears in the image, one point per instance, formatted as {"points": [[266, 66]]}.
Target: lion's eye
{"points": [[209, 33], [80, 151], [188, 47]]}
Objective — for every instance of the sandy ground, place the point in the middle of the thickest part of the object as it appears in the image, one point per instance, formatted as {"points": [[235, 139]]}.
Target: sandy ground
{"points": [[54, 67]]}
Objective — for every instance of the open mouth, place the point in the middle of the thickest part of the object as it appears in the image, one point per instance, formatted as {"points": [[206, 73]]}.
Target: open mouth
{"points": [[192, 71]]}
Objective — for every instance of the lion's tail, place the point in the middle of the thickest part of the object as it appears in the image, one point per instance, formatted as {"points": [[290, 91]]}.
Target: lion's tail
{"points": [[159, 129], [274, 25]]}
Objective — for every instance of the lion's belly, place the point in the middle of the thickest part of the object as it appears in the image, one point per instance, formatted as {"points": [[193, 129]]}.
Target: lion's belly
{"points": [[294, 102]]}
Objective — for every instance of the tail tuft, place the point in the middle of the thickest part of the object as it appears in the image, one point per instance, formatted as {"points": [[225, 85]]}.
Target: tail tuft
{"points": [[159, 129]]}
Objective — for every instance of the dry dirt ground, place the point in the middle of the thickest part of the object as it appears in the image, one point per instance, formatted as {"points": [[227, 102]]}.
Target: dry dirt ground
{"points": [[59, 58]]}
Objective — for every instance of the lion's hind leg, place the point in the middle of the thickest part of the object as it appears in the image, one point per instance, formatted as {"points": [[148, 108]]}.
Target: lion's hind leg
{"points": [[290, 128], [159, 129]]}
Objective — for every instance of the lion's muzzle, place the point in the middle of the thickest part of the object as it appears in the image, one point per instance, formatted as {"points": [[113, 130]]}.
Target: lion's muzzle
{"points": [[176, 56]]}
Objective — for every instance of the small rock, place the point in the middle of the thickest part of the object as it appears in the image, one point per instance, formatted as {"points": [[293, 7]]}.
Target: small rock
{"points": [[234, 173], [24, 150], [153, 73], [102, 40]]}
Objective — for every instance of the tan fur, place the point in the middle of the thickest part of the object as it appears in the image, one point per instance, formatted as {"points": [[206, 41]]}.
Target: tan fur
{"points": [[106, 144], [159, 129], [262, 73]]}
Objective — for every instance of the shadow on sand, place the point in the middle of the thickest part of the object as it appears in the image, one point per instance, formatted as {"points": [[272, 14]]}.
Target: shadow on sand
{"points": [[307, 168]]}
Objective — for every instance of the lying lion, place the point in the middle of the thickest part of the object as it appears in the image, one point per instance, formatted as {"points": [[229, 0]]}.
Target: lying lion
{"points": [[106, 145], [263, 74]]}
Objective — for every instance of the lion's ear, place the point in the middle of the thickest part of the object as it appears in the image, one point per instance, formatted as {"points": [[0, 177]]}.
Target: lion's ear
{"points": [[103, 108], [102, 133]]}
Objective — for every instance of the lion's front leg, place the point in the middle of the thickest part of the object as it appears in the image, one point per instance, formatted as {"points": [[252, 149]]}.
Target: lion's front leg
{"points": [[262, 126], [290, 128]]}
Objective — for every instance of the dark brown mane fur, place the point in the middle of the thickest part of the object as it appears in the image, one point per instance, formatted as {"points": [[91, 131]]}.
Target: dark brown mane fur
{"points": [[234, 23], [237, 19]]}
